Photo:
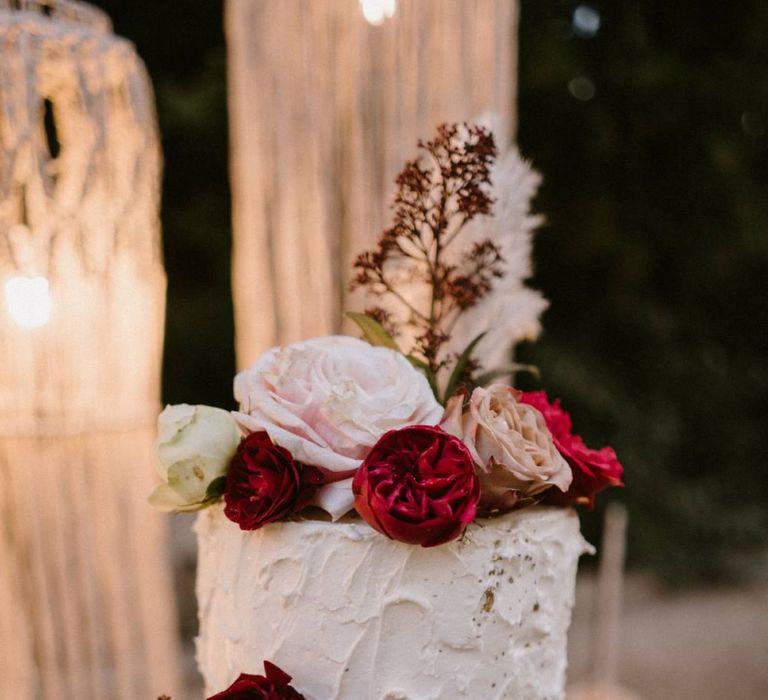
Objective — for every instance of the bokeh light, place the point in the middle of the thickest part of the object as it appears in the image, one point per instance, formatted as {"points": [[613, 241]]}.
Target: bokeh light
{"points": [[28, 300], [376, 11], [582, 88], [586, 21]]}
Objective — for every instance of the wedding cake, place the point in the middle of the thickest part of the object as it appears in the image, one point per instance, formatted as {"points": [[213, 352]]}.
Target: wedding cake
{"points": [[355, 615], [396, 524]]}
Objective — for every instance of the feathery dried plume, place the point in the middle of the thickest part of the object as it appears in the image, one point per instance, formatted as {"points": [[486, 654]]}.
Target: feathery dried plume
{"points": [[512, 312]]}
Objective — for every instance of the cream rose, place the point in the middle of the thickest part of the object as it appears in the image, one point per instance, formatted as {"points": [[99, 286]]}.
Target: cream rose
{"points": [[510, 443], [328, 400], [194, 446]]}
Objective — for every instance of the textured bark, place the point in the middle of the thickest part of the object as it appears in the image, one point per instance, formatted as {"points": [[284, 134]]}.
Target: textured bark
{"points": [[86, 608], [324, 110]]}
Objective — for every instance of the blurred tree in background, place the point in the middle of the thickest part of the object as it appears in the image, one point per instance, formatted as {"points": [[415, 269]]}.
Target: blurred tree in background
{"points": [[648, 121], [182, 43]]}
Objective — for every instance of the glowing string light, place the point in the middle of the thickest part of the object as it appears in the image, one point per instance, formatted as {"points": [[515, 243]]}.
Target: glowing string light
{"points": [[28, 300]]}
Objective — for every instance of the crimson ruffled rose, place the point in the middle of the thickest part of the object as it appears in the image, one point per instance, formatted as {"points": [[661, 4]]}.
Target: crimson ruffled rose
{"points": [[593, 470], [272, 686], [418, 485], [264, 483]]}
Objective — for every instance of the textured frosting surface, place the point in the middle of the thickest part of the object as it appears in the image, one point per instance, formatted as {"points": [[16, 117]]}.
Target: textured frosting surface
{"points": [[352, 615]]}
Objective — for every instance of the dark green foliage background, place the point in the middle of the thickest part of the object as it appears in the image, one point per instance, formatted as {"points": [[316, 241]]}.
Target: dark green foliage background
{"points": [[654, 256]]}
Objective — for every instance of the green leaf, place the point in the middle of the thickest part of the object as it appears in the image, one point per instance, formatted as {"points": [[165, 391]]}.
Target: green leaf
{"points": [[373, 331], [489, 376], [417, 363], [215, 489], [461, 363], [164, 497]]}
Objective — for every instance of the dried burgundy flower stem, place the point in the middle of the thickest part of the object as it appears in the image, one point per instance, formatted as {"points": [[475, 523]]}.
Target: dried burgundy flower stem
{"points": [[384, 318], [437, 195]]}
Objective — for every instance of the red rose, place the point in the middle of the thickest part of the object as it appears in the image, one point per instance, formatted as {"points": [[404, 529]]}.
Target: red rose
{"points": [[593, 470], [417, 485], [273, 686], [264, 483]]}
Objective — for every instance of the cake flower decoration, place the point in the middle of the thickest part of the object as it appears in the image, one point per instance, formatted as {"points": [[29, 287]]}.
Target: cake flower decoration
{"points": [[593, 470], [328, 400], [418, 485], [274, 685], [511, 445], [401, 428], [264, 483], [438, 194], [194, 447]]}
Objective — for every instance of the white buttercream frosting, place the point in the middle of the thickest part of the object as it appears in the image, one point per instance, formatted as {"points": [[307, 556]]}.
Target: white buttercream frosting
{"points": [[352, 615]]}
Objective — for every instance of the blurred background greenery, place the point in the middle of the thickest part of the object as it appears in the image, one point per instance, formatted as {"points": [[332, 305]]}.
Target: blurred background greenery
{"points": [[648, 121]]}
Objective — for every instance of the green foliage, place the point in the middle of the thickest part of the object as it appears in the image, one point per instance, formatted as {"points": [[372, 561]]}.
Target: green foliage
{"points": [[215, 490], [655, 258], [459, 369]]}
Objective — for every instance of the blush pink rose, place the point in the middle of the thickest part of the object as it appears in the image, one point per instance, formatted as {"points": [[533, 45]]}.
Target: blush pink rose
{"points": [[511, 445], [328, 400]]}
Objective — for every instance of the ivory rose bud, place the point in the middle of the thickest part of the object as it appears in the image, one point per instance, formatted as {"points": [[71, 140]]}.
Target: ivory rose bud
{"points": [[194, 446], [511, 444], [328, 400]]}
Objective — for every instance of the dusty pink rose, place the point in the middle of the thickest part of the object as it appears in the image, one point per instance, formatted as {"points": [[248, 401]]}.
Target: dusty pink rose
{"points": [[593, 470], [417, 485], [511, 445], [328, 400]]}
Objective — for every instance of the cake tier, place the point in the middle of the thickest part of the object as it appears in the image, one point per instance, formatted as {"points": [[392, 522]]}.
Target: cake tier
{"points": [[352, 615]]}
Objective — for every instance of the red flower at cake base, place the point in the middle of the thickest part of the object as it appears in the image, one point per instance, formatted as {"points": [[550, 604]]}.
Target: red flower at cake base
{"points": [[417, 485], [272, 686], [593, 470], [264, 483]]}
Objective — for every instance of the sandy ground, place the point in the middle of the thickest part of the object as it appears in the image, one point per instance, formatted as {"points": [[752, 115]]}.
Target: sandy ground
{"points": [[705, 644]]}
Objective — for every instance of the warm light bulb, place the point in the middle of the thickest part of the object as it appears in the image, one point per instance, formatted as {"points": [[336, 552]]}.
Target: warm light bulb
{"points": [[28, 300], [376, 11]]}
